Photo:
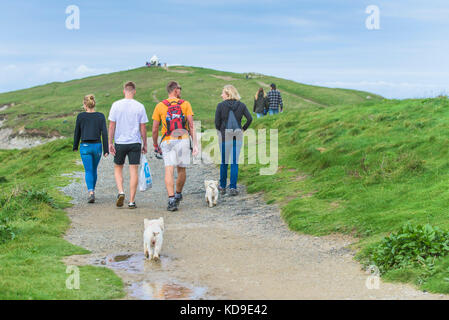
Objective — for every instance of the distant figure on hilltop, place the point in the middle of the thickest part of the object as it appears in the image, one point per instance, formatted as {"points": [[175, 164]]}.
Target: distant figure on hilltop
{"points": [[275, 99], [261, 103]]}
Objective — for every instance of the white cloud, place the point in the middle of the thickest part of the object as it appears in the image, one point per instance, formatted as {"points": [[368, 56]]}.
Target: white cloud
{"points": [[83, 70], [21, 76]]}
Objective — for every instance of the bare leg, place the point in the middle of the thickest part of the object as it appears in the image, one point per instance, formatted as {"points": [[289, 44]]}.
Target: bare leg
{"points": [[145, 250], [170, 180], [181, 179], [133, 181], [118, 174]]}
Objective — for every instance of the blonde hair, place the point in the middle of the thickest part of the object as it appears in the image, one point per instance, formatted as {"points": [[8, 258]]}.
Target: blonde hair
{"points": [[89, 101], [231, 92]]}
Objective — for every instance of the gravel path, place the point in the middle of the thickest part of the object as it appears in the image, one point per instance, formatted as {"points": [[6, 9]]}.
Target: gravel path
{"points": [[240, 249]]}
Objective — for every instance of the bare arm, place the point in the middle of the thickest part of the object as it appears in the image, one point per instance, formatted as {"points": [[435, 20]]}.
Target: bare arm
{"points": [[143, 133], [155, 132], [111, 133], [193, 134]]}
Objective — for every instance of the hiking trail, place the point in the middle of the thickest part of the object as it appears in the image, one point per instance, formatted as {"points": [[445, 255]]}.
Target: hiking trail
{"points": [[266, 85], [240, 249]]}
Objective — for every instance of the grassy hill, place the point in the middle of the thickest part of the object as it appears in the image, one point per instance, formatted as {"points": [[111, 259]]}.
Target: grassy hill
{"points": [[51, 109], [365, 170], [350, 161]]}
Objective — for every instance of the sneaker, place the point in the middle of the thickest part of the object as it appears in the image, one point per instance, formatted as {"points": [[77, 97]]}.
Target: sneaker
{"points": [[178, 198], [233, 192], [222, 191], [120, 199], [91, 198], [132, 205], [172, 204]]}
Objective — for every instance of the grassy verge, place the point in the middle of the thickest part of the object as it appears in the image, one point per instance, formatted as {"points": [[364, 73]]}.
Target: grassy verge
{"points": [[363, 170], [32, 222]]}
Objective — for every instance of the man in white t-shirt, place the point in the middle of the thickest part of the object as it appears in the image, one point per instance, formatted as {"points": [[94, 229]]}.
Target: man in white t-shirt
{"points": [[127, 128]]}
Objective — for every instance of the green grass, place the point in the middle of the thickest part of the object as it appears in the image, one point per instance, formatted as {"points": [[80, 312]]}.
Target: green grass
{"points": [[364, 170], [31, 245], [348, 163], [51, 109]]}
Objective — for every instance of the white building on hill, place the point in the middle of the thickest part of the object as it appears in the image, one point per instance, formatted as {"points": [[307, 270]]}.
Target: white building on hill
{"points": [[154, 61]]}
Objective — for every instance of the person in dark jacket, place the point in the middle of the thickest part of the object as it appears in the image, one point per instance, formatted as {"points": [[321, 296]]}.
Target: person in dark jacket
{"points": [[228, 121], [261, 103], [90, 128]]}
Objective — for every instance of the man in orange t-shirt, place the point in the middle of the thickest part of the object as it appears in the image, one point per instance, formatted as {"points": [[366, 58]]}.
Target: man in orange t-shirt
{"points": [[175, 144]]}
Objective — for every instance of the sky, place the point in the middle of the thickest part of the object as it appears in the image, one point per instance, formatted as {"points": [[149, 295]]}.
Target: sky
{"points": [[319, 42]]}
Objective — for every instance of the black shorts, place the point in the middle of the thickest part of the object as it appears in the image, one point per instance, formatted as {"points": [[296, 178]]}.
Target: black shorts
{"points": [[133, 151]]}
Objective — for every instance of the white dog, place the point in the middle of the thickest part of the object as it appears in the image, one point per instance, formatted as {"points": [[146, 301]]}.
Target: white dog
{"points": [[153, 237], [211, 192]]}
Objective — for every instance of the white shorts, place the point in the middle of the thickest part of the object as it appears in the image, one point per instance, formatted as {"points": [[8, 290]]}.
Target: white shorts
{"points": [[176, 152]]}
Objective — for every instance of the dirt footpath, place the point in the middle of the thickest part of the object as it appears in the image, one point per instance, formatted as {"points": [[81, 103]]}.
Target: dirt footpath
{"points": [[240, 249]]}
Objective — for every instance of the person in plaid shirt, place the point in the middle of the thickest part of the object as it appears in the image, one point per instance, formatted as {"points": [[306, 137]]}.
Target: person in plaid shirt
{"points": [[274, 96]]}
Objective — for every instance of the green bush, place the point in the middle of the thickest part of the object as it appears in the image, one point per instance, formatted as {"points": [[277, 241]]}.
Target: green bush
{"points": [[6, 232], [409, 247]]}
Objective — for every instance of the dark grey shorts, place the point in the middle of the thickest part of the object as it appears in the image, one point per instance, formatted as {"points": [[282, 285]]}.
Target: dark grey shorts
{"points": [[133, 151]]}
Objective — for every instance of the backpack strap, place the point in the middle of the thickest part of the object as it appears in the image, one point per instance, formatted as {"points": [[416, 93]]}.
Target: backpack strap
{"points": [[168, 103], [230, 108]]}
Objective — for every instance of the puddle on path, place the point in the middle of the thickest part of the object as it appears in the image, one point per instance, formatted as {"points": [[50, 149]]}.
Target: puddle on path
{"points": [[166, 291], [154, 283]]}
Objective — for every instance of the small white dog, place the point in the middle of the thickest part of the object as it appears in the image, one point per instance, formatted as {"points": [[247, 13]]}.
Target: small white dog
{"points": [[153, 237], [211, 192]]}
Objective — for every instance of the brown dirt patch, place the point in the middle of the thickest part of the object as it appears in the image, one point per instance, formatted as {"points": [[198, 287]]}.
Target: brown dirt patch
{"points": [[226, 78]]}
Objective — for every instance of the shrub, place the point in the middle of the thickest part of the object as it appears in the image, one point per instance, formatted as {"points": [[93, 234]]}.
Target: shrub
{"points": [[410, 246], [6, 232]]}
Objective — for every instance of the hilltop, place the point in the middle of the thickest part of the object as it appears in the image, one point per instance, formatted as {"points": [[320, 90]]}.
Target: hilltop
{"points": [[50, 110]]}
